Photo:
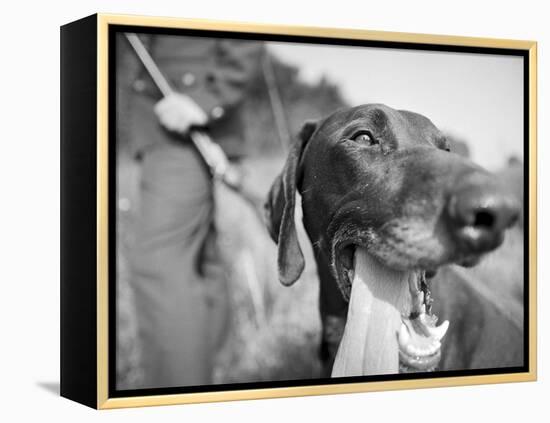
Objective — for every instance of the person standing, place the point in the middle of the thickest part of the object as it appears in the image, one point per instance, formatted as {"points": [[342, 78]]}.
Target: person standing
{"points": [[177, 275]]}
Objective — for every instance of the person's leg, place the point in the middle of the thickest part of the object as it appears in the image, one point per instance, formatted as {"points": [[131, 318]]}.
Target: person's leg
{"points": [[174, 233]]}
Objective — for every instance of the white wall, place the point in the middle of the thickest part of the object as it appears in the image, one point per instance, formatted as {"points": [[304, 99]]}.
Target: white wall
{"points": [[29, 175]]}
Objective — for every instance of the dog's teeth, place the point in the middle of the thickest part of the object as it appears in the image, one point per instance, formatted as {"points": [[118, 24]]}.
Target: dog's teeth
{"points": [[414, 343], [428, 350], [438, 332]]}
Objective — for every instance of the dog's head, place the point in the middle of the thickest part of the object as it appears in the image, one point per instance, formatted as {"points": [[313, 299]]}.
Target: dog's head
{"points": [[385, 180]]}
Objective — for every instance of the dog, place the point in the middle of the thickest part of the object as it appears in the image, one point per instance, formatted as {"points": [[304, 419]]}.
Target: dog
{"points": [[383, 180]]}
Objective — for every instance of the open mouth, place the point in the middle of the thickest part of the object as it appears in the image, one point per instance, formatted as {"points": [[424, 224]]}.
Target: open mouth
{"points": [[419, 337], [390, 326]]}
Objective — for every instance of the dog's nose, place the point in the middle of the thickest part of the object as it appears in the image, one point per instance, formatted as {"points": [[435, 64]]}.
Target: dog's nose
{"points": [[480, 214]]}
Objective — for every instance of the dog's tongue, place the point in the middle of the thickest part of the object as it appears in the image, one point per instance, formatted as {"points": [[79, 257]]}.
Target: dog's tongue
{"points": [[377, 335]]}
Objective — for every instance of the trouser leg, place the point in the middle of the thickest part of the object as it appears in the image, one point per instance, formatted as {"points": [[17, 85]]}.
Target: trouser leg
{"points": [[177, 275]]}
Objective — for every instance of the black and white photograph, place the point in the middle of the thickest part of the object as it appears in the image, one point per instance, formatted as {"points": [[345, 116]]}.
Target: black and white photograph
{"points": [[309, 212], [291, 212]]}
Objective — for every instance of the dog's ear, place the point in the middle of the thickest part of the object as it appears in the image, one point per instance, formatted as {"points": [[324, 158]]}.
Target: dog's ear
{"points": [[279, 210]]}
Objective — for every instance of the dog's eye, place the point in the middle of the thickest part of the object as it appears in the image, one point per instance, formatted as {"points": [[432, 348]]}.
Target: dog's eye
{"points": [[365, 137]]}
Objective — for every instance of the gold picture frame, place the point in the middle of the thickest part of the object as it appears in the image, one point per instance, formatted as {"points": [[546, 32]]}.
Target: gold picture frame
{"points": [[82, 391]]}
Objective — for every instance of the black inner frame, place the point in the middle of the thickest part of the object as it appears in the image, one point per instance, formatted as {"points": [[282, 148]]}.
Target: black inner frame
{"points": [[112, 353]]}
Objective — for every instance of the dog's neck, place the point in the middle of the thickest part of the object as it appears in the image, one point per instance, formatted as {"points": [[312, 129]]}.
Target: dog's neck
{"points": [[379, 296]]}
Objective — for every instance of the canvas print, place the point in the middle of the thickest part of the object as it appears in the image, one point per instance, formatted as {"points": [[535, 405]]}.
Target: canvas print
{"points": [[303, 213]]}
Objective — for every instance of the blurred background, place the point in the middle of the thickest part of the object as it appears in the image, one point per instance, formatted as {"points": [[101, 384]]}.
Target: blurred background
{"points": [[274, 332]]}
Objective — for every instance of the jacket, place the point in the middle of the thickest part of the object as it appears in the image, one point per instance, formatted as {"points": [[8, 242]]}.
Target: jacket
{"points": [[214, 72]]}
